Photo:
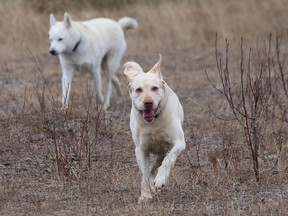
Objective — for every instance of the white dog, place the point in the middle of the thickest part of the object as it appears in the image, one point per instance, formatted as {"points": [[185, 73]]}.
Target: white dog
{"points": [[156, 125], [97, 44]]}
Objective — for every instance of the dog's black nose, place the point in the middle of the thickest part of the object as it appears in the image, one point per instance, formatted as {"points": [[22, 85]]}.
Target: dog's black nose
{"points": [[148, 105], [53, 52]]}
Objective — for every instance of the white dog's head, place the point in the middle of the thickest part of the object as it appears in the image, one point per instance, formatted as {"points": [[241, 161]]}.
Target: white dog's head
{"points": [[62, 36], [146, 89]]}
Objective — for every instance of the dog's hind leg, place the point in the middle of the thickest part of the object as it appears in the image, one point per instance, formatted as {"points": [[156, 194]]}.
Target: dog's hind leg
{"points": [[164, 170], [98, 83], [157, 163], [108, 94], [117, 85], [153, 170], [110, 64], [108, 76], [67, 76]]}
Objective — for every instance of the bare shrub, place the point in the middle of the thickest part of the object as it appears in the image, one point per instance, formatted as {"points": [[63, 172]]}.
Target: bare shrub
{"points": [[250, 96]]}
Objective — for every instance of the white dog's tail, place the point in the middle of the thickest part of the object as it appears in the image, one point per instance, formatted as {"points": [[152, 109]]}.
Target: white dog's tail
{"points": [[127, 23]]}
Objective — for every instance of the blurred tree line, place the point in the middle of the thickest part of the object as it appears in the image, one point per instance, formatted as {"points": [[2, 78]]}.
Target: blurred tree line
{"points": [[62, 5]]}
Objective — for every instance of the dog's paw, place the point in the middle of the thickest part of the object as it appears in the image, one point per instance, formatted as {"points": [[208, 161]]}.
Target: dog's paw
{"points": [[152, 188], [64, 108], [145, 198], [105, 106], [160, 181]]}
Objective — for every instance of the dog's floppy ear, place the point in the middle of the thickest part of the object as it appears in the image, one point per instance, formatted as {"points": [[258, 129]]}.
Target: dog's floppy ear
{"points": [[132, 69], [67, 20], [52, 20], [156, 68]]}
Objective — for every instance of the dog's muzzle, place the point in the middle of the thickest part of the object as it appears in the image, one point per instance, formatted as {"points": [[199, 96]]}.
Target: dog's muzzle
{"points": [[149, 114]]}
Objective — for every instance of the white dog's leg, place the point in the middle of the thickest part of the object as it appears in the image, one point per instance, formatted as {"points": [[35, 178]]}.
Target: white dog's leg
{"points": [[164, 170], [66, 84], [108, 94], [143, 163], [98, 83], [115, 81], [110, 68], [116, 61], [117, 85]]}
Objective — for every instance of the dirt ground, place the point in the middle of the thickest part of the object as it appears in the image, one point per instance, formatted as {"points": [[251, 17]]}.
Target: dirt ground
{"points": [[82, 161]]}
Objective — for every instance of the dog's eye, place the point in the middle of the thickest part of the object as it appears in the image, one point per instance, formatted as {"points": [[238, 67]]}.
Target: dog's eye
{"points": [[154, 88], [139, 90], [60, 39]]}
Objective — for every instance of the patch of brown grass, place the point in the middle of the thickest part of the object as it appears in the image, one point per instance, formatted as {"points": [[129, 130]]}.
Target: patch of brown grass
{"points": [[45, 153]]}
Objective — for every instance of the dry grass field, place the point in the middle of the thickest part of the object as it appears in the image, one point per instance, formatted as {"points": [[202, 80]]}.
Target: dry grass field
{"points": [[82, 162]]}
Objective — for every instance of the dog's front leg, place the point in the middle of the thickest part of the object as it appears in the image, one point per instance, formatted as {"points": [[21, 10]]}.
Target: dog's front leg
{"points": [[143, 163], [66, 84], [164, 170]]}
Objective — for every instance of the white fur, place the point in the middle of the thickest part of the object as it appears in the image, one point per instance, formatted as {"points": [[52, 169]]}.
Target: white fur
{"points": [[101, 45], [160, 131]]}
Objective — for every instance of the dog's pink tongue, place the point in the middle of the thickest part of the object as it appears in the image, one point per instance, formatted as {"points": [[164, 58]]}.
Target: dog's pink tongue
{"points": [[148, 115]]}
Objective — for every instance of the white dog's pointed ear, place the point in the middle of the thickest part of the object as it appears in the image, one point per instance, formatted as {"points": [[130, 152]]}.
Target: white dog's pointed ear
{"points": [[52, 20], [67, 20], [132, 69], [156, 68]]}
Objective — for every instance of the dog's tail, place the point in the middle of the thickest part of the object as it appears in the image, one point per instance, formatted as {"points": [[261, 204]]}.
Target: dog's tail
{"points": [[127, 23]]}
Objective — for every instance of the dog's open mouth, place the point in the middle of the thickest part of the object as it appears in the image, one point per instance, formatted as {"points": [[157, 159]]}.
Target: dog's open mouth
{"points": [[149, 115]]}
